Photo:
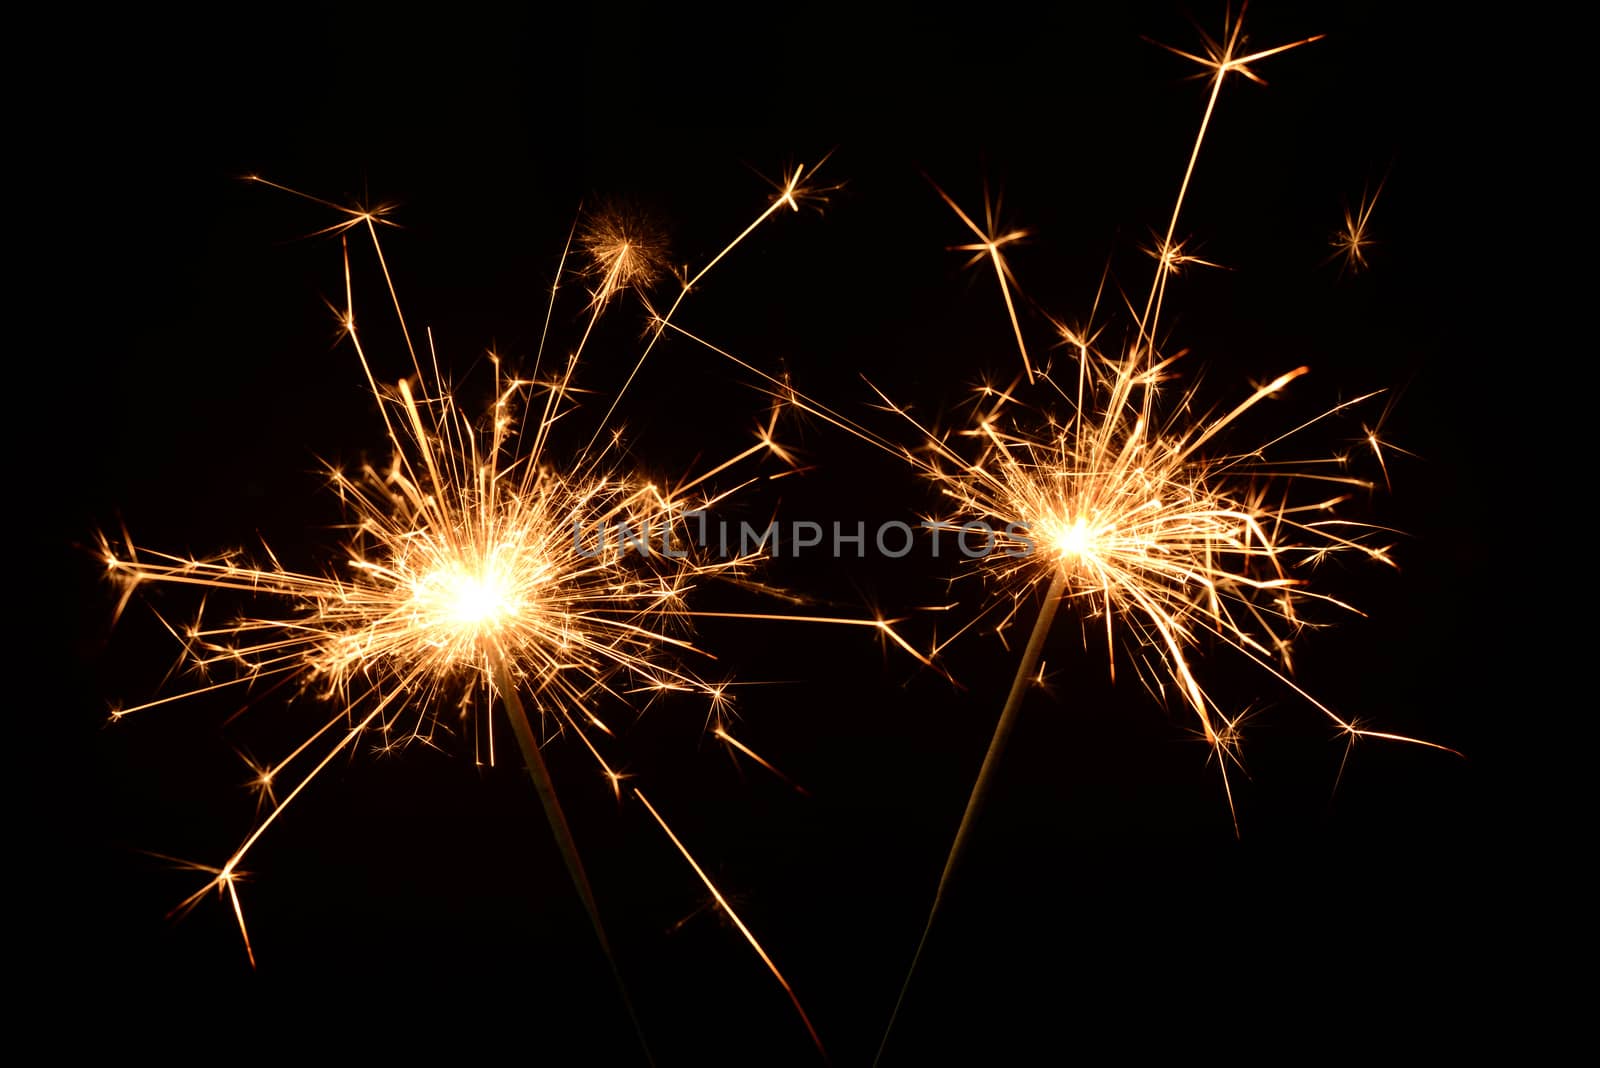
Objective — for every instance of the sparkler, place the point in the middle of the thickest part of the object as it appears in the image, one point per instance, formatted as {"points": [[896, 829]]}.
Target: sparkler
{"points": [[478, 571], [1141, 519], [1130, 508]]}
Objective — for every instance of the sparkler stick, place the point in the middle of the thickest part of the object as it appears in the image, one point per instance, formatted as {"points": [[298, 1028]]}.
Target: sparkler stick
{"points": [[534, 761], [991, 763]]}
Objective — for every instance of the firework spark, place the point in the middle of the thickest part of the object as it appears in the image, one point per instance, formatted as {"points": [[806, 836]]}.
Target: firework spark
{"points": [[479, 571], [1353, 242]]}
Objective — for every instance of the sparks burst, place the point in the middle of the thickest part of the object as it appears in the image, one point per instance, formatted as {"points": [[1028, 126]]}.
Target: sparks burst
{"points": [[1137, 511], [1133, 508], [478, 571], [1130, 505]]}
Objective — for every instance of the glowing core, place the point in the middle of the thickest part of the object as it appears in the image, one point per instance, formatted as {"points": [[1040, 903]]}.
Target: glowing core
{"points": [[462, 599], [1072, 539]]}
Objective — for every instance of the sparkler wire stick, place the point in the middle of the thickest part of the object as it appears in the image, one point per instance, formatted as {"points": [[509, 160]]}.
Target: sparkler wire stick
{"points": [[1020, 685], [523, 729]]}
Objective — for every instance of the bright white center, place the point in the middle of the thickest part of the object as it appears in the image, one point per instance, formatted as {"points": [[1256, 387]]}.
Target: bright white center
{"points": [[1072, 539], [475, 601], [461, 599]]}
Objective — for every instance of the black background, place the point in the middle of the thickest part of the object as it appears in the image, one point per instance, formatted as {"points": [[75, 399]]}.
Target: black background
{"points": [[192, 379]]}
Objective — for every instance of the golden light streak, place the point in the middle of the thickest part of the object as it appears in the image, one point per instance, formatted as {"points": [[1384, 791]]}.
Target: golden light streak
{"points": [[990, 242], [1222, 58], [722, 903], [721, 734]]}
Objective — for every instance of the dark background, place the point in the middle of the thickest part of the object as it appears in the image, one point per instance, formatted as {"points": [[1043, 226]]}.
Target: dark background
{"points": [[192, 380]]}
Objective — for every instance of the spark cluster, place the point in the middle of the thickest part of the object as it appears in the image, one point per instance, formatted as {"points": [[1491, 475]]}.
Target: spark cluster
{"points": [[482, 565], [1139, 522], [1136, 504], [466, 553]]}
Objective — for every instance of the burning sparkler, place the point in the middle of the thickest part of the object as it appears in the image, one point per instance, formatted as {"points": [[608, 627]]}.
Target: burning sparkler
{"points": [[1143, 520], [1129, 507], [479, 571]]}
